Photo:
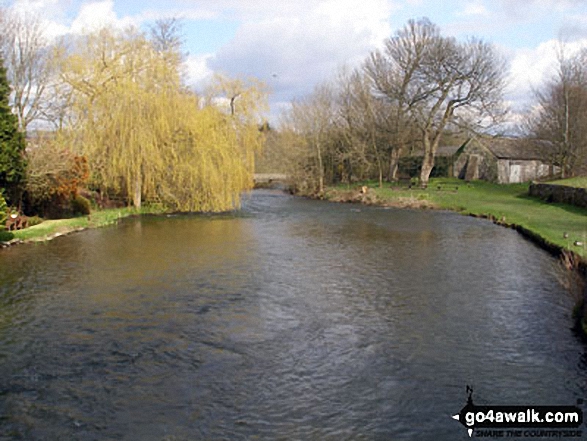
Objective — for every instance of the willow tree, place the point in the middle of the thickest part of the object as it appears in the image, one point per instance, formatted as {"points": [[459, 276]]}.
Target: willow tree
{"points": [[144, 134], [243, 101]]}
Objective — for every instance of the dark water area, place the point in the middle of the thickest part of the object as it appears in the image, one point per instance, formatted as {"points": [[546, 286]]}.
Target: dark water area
{"points": [[292, 319]]}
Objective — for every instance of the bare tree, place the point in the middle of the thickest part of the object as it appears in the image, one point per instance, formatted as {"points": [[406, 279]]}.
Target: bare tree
{"points": [[28, 61], [166, 34], [434, 80], [312, 119], [361, 119], [561, 115], [393, 74]]}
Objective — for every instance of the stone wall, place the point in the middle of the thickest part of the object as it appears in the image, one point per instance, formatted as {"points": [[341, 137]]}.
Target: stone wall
{"points": [[560, 193]]}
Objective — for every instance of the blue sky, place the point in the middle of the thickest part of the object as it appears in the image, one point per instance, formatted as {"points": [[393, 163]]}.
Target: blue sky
{"points": [[294, 45]]}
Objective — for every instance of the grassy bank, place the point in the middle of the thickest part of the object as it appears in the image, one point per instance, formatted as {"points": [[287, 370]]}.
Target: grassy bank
{"points": [[555, 227], [53, 228], [508, 204], [580, 182]]}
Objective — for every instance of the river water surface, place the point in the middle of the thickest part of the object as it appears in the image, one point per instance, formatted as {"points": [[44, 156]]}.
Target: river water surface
{"points": [[291, 319]]}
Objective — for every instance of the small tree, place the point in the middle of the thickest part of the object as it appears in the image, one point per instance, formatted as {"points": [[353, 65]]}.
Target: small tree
{"points": [[314, 118], [54, 177], [12, 145]]}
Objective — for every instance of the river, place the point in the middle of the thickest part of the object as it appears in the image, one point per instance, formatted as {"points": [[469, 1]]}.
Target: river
{"points": [[290, 319]]}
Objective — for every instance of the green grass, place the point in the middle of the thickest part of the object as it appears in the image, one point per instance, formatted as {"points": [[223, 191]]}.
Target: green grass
{"points": [[579, 182], [510, 202], [49, 228]]}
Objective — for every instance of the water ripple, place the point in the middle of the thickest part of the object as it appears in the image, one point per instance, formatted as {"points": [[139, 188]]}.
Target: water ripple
{"points": [[292, 319]]}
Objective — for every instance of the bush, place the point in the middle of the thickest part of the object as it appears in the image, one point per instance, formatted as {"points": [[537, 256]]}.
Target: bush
{"points": [[34, 220], [80, 205], [55, 175]]}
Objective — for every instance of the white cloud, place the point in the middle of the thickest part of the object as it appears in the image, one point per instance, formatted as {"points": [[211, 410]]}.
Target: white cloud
{"points": [[296, 51], [293, 45], [35, 6], [475, 8], [95, 15], [198, 71], [49, 12], [530, 68]]}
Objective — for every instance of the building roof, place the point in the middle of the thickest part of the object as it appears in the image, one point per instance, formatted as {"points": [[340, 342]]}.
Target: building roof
{"points": [[501, 148], [518, 149], [447, 150]]}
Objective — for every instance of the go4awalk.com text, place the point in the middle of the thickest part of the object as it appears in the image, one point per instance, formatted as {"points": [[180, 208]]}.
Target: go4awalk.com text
{"points": [[520, 421]]}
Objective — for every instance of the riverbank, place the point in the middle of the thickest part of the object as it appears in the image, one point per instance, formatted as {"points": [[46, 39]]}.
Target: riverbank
{"points": [[560, 229], [50, 229], [559, 225]]}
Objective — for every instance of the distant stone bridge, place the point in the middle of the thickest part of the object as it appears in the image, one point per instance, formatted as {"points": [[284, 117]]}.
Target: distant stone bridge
{"points": [[262, 179]]}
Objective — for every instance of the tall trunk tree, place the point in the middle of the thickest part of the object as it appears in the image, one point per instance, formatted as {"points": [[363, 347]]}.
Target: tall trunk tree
{"points": [[29, 64], [429, 77]]}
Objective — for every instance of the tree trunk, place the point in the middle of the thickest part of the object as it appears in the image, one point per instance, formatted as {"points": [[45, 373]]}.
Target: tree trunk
{"points": [[379, 166], [137, 193], [428, 159], [321, 170], [394, 164], [427, 166]]}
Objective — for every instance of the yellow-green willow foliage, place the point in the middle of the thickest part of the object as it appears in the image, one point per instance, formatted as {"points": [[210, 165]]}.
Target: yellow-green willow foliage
{"points": [[147, 136]]}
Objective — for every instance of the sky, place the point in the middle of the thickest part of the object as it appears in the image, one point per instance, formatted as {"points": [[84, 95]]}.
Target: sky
{"points": [[293, 45]]}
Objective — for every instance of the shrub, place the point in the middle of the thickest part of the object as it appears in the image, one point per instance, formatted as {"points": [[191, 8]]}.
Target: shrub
{"points": [[80, 205], [55, 175], [34, 220]]}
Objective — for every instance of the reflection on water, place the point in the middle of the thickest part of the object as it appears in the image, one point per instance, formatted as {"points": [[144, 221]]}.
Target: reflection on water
{"points": [[292, 319]]}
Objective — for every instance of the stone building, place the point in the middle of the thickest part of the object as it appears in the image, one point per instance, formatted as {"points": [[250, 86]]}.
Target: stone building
{"points": [[503, 160]]}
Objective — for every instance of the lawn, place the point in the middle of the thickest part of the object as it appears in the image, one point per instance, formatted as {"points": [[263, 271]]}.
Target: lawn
{"points": [[508, 203], [579, 182], [51, 228]]}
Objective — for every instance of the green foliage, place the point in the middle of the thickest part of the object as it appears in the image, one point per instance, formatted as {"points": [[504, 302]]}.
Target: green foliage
{"points": [[12, 145], [3, 211], [80, 205]]}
